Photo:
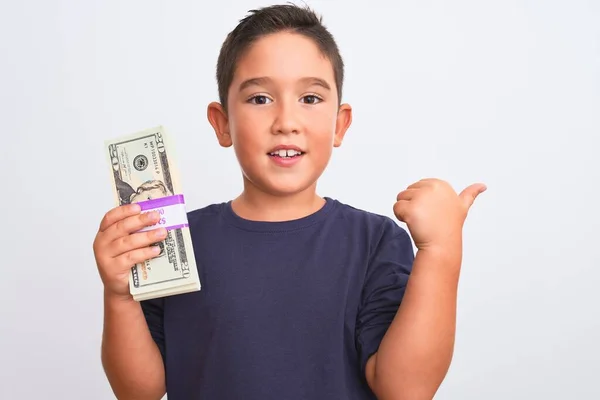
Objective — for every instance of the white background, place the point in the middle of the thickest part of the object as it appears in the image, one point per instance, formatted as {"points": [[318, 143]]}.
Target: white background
{"points": [[503, 92]]}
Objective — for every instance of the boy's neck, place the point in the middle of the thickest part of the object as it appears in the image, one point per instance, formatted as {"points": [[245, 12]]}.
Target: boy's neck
{"points": [[256, 205]]}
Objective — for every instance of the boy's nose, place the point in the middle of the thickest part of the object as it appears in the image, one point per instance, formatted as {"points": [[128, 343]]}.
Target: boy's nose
{"points": [[285, 121]]}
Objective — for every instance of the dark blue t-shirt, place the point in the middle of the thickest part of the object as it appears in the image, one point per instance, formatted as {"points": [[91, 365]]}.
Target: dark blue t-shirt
{"points": [[288, 310]]}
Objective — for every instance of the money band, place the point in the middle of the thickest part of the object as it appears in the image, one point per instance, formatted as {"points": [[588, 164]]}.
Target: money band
{"points": [[171, 210]]}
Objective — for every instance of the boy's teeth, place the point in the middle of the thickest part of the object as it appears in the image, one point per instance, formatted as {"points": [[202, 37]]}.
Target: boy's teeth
{"points": [[286, 153]]}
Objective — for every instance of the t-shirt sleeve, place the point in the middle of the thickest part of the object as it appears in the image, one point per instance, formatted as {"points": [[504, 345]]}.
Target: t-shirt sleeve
{"points": [[153, 312], [385, 282]]}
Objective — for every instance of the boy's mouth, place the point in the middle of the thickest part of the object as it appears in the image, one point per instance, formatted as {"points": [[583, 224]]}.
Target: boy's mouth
{"points": [[286, 153]]}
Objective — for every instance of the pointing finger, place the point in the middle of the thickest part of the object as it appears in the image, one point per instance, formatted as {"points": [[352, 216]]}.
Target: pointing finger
{"points": [[470, 193]]}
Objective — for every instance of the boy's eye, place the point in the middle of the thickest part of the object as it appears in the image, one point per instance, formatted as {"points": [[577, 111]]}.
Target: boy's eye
{"points": [[259, 99], [311, 99]]}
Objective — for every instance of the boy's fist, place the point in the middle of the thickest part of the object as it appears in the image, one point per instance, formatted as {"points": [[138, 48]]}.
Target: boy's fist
{"points": [[433, 212], [118, 246]]}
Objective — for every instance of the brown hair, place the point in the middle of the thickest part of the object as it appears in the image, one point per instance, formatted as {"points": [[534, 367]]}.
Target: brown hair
{"points": [[269, 20]]}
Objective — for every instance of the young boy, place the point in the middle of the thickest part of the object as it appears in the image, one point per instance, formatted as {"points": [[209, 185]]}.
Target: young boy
{"points": [[303, 297]]}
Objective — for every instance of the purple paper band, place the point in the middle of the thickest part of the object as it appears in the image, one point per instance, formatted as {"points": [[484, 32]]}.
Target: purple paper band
{"points": [[161, 202], [177, 226], [171, 212]]}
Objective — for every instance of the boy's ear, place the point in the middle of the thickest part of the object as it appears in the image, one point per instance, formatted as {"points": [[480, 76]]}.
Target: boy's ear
{"points": [[343, 122], [220, 123]]}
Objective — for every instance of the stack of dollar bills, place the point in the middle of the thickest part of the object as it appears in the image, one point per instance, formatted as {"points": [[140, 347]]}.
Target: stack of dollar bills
{"points": [[144, 171]]}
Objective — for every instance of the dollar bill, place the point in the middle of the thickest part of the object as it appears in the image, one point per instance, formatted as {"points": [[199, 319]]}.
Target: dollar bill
{"points": [[144, 167]]}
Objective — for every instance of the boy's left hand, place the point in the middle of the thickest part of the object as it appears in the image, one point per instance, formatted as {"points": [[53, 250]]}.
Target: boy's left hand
{"points": [[434, 213]]}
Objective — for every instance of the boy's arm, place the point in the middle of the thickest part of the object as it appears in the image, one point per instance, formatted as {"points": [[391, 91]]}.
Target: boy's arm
{"points": [[131, 359], [416, 351], [414, 355], [132, 331]]}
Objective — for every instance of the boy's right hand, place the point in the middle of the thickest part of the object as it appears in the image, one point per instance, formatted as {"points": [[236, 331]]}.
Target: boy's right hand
{"points": [[118, 246]]}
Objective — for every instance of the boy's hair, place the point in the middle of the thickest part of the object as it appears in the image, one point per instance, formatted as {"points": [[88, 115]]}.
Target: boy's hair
{"points": [[270, 20]]}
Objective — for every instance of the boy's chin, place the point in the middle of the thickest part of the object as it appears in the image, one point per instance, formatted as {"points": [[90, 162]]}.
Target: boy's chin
{"points": [[287, 187], [288, 190]]}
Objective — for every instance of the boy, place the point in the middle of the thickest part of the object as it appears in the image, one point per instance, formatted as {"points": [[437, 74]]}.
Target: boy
{"points": [[303, 297]]}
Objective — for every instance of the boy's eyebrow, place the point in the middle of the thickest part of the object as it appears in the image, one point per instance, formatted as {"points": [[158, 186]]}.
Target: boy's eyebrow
{"points": [[262, 81], [316, 81]]}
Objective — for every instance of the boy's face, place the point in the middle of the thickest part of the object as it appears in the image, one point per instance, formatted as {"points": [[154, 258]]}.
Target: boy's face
{"points": [[283, 96]]}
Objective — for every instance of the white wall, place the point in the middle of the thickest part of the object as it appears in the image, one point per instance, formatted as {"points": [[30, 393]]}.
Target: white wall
{"points": [[503, 92]]}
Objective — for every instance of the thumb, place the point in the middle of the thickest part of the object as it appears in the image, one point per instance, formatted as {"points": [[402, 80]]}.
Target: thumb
{"points": [[470, 193]]}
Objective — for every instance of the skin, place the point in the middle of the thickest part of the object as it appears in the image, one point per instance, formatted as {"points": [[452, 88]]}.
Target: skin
{"points": [[131, 360], [416, 351], [288, 106]]}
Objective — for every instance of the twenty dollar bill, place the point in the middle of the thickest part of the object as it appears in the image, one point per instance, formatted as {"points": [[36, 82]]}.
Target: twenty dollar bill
{"points": [[143, 168]]}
